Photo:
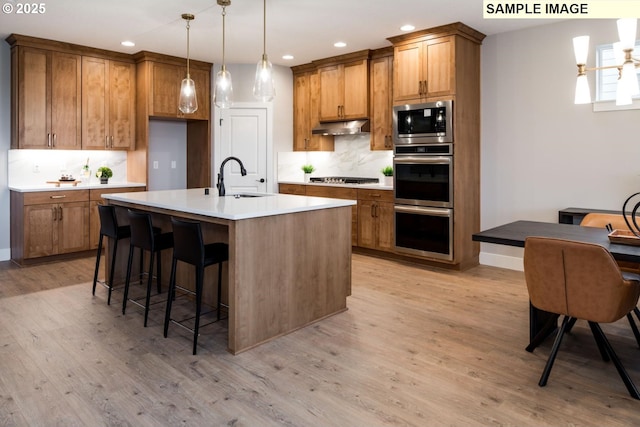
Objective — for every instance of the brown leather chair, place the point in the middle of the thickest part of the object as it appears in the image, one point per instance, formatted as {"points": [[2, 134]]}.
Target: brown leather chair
{"points": [[579, 281]]}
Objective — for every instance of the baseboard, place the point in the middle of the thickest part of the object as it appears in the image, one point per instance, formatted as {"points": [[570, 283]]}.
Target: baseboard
{"points": [[5, 254], [502, 261]]}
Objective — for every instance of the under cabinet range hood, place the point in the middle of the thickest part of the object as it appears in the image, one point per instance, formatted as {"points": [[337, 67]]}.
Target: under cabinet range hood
{"points": [[342, 128]]}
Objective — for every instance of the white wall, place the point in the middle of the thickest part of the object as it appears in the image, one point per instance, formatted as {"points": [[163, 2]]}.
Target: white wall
{"points": [[5, 143], [540, 152], [167, 144]]}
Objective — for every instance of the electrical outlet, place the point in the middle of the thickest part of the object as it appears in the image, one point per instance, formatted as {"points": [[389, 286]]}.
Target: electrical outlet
{"points": [[36, 168], [155, 164], [173, 164]]}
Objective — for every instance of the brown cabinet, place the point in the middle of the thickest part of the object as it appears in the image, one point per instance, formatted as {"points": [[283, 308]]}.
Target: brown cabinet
{"points": [[339, 193], [108, 104], [95, 199], [424, 69], [344, 90], [381, 98], [49, 223], [306, 89], [296, 189], [45, 98], [375, 219]]}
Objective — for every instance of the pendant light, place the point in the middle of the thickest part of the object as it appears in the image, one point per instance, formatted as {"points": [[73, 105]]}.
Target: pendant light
{"points": [[263, 88], [188, 102], [223, 89]]}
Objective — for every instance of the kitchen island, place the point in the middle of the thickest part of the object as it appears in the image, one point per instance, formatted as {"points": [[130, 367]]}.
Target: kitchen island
{"points": [[289, 256]]}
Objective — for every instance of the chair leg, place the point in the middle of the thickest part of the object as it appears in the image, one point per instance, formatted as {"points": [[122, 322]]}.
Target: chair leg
{"points": [[572, 322], [548, 327], [621, 371], [170, 296], [196, 328], [149, 281], [634, 328], [159, 273], [600, 343], [219, 290], [127, 280], [112, 270], [554, 353], [637, 312], [95, 274]]}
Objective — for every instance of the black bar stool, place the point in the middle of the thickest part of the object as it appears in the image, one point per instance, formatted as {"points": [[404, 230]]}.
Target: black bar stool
{"points": [[190, 248], [147, 238], [109, 227]]}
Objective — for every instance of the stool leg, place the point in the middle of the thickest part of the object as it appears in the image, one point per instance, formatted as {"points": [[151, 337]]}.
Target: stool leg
{"points": [[149, 280], [159, 272], [219, 290], [127, 280], [95, 275], [172, 285], [113, 269], [199, 274]]}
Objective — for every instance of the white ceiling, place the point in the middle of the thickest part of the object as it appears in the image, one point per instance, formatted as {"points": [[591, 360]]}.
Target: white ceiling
{"points": [[306, 29]]}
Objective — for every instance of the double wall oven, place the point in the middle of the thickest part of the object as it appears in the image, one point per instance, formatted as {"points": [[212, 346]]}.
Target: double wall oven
{"points": [[423, 180]]}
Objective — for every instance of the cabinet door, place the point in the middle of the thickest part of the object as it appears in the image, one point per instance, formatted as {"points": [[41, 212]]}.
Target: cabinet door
{"points": [[384, 217], [381, 103], [73, 227], [165, 90], [316, 142], [94, 224], [366, 224], [33, 115], [66, 108], [407, 72], [355, 104], [202, 80], [439, 66], [121, 105], [301, 112], [95, 84], [40, 230], [331, 92]]}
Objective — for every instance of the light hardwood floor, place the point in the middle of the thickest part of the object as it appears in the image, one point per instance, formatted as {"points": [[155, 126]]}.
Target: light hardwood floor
{"points": [[417, 347]]}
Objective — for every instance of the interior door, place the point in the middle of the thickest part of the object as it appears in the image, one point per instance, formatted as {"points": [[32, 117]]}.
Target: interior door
{"points": [[243, 133]]}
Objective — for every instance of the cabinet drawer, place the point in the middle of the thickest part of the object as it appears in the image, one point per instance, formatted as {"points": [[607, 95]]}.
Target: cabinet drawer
{"points": [[333, 192], [96, 194], [41, 197], [297, 189], [375, 195]]}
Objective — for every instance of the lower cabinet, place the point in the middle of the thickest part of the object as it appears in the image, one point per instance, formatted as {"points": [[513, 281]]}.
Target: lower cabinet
{"points": [[95, 199], [375, 219], [339, 193]]}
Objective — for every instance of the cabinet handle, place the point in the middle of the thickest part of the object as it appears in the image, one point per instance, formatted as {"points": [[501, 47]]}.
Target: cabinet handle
{"points": [[60, 210], [425, 88], [49, 140], [376, 195], [55, 138], [53, 213], [106, 142], [58, 197], [111, 145], [373, 215]]}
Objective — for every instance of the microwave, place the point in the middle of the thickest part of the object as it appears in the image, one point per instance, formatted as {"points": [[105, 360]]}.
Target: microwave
{"points": [[424, 123]]}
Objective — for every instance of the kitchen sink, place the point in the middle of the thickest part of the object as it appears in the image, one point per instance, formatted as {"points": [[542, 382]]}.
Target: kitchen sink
{"points": [[241, 195]]}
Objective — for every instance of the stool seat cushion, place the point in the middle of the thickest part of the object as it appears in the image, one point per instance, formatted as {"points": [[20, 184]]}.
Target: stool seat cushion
{"points": [[215, 253]]}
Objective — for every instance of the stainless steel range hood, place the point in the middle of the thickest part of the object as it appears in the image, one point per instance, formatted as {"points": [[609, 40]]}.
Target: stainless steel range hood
{"points": [[342, 128]]}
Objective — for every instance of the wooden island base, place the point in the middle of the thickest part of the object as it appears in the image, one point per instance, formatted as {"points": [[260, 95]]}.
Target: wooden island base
{"points": [[284, 271]]}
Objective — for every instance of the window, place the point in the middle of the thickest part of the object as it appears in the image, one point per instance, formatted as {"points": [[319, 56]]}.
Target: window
{"points": [[607, 80]]}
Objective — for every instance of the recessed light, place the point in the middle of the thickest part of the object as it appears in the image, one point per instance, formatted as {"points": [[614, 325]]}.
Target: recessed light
{"points": [[407, 27], [128, 43], [287, 57], [339, 44]]}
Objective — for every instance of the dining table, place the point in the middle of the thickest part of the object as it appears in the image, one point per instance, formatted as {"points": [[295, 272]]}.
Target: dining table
{"points": [[516, 233]]}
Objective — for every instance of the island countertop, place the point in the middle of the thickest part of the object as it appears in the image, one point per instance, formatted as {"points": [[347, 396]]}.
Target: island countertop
{"points": [[195, 201]]}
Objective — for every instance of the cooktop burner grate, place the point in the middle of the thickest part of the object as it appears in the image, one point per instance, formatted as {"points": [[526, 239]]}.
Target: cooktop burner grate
{"points": [[344, 180]]}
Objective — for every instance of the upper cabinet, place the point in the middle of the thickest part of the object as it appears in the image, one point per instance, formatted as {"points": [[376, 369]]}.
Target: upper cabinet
{"points": [[306, 85], [344, 87], [108, 104], [45, 98], [381, 99]]}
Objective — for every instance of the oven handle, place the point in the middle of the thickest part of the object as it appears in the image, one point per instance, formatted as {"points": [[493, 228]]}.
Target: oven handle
{"points": [[424, 160], [424, 211]]}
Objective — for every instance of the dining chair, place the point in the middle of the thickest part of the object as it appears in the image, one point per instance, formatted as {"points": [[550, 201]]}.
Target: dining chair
{"points": [[578, 281]]}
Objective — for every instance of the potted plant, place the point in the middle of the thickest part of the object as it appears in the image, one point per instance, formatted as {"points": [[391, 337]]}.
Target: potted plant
{"points": [[104, 173], [307, 169], [387, 171]]}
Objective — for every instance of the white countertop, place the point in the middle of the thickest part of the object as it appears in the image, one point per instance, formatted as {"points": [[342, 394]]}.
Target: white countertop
{"points": [[194, 201], [322, 184], [91, 185]]}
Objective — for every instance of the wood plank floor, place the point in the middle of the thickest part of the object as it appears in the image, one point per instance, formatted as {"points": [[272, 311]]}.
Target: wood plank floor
{"points": [[417, 347]]}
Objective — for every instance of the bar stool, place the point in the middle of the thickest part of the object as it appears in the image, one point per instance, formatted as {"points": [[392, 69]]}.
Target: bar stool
{"points": [[109, 227], [147, 238], [190, 248]]}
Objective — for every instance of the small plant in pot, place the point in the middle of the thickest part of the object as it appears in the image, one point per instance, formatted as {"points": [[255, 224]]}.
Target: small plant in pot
{"points": [[387, 171], [307, 169], [104, 173]]}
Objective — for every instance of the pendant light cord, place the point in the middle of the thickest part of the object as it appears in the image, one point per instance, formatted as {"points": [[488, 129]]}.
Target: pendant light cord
{"points": [[188, 27], [224, 14], [264, 29]]}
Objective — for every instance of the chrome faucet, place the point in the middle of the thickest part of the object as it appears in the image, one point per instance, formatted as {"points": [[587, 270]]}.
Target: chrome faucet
{"points": [[220, 184]]}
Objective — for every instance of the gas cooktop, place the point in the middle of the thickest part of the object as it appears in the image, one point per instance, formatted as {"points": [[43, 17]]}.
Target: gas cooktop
{"points": [[344, 180]]}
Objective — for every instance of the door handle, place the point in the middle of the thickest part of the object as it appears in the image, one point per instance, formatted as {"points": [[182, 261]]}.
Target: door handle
{"points": [[260, 180], [60, 210]]}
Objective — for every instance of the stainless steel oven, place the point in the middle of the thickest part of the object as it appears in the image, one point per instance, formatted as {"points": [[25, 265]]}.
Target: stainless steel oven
{"points": [[423, 212]]}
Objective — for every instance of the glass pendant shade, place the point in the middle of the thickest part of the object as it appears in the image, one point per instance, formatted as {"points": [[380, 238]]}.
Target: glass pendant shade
{"points": [[581, 49], [223, 91], [188, 102], [627, 32], [583, 95], [263, 87], [623, 96], [630, 78]]}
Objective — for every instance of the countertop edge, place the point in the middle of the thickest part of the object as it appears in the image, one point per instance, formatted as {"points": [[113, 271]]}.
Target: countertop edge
{"points": [[67, 187]]}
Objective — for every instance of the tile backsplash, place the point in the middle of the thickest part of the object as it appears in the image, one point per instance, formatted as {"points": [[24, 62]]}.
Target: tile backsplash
{"points": [[352, 157], [35, 167]]}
